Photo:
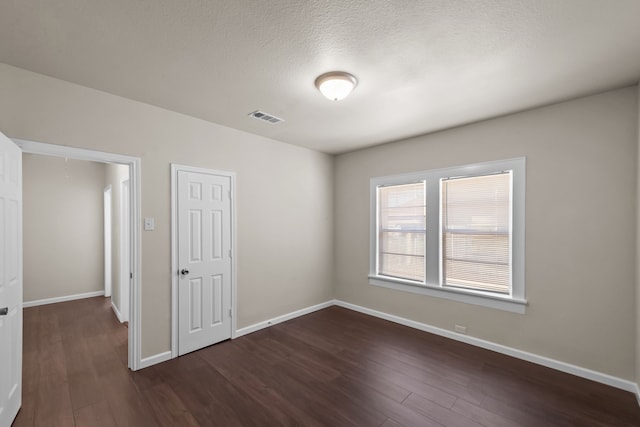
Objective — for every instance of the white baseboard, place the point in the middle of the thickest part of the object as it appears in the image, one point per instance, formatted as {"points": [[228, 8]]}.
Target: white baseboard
{"points": [[167, 355], [62, 299], [279, 319], [509, 351], [117, 312], [155, 359]]}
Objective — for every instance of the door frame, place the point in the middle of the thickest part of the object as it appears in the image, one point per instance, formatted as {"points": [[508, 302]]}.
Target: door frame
{"points": [[107, 240], [135, 298], [175, 168], [125, 249]]}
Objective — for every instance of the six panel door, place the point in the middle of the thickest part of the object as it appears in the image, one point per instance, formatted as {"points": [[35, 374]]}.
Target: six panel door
{"points": [[204, 256]]}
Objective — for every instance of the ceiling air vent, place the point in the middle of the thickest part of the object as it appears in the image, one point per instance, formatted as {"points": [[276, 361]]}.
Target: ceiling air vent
{"points": [[260, 115]]}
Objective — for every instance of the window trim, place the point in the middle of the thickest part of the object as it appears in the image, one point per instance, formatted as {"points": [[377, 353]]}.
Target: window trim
{"points": [[515, 301]]}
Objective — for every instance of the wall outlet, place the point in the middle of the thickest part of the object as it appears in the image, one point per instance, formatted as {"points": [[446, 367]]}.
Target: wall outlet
{"points": [[460, 329]]}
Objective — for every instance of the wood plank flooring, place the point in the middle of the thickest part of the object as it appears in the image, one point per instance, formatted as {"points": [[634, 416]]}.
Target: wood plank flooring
{"points": [[334, 367]]}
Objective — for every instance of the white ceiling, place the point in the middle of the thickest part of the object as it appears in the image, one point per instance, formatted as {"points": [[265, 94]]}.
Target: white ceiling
{"points": [[422, 65]]}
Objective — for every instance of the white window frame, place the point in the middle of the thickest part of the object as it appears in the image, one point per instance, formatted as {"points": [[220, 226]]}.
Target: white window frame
{"points": [[515, 301]]}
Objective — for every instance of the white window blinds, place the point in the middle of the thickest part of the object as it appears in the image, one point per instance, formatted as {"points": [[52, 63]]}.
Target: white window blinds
{"points": [[401, 231], [476, 232]]}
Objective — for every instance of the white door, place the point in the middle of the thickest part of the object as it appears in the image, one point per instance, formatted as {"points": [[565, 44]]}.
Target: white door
{"points": [[10, 280], [204, 260]]}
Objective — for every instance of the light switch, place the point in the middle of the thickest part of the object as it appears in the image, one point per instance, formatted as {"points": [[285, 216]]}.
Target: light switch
{"points": [[149, 224]]}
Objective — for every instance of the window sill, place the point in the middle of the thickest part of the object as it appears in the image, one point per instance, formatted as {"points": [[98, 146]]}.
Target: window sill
{"points": [[513, 305]]}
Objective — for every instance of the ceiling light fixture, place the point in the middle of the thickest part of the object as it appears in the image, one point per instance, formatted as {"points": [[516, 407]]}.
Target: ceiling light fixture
{"points": [[336, 85]]}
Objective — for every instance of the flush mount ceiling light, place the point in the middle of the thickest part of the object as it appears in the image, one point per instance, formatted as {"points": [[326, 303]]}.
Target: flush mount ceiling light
{"points": [[336, 85]]}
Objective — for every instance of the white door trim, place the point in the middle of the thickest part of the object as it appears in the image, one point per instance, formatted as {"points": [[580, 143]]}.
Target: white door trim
{"points": [[107, 240], [175, 168], [135, 175], [124, 281]]}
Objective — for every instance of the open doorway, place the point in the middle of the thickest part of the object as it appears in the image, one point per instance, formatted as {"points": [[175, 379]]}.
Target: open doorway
{"points": [[62, 229], [132, 230], [69, 224]]}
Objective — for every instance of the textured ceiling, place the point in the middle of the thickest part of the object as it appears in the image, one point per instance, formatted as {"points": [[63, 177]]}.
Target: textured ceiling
{"points": [[422, 65]]}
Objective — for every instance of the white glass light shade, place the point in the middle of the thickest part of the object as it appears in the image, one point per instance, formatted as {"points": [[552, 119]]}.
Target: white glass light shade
{"points": [[336, 85]]}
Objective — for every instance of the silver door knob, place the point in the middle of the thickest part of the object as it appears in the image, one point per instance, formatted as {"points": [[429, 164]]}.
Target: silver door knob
{"points": [[184, 271]]}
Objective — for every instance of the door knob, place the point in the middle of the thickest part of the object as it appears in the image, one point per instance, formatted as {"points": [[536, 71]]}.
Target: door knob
{"points": [[184, 271], [4, 311]]}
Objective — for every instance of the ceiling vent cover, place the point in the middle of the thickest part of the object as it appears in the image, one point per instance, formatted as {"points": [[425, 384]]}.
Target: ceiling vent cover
{"points": [[261, 115]]}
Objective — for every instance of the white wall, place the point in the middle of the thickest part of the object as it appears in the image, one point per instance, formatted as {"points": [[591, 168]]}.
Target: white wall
{"points": [[284, 193], [63, 227], [580, 228]]}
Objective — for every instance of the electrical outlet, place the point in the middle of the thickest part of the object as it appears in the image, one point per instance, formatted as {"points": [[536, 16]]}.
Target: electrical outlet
{"points": [[460, 329]]}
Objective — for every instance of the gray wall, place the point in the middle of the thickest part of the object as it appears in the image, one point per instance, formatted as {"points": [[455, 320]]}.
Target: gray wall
{"points": [[580, 228], [582, 180], [63, 227], [284, 193], [637, 337]]}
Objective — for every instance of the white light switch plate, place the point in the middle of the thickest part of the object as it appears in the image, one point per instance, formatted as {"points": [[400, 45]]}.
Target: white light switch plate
{"points": [[149, 224]]}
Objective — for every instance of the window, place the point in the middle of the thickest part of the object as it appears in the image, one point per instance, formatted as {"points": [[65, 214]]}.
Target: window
{"points": [[455, 233], [475, 230], [401, 233]]}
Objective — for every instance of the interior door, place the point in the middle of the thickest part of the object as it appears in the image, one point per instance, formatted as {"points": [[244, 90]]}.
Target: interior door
{"points": [[10, 280], [204, 259]]}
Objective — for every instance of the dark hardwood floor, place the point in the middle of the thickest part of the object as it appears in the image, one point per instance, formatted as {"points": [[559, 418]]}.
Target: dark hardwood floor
{"points": [[333, 367]]}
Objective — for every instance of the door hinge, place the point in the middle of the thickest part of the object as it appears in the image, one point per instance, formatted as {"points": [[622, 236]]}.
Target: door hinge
{"points": [[230, 253], [230, 314], [130, 275], [230, 196]]}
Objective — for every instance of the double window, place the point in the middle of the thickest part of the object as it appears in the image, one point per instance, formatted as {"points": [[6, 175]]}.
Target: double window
{"points": [[457, 233]]}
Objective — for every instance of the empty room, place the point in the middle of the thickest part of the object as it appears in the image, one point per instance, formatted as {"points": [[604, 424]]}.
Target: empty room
{"points": [[324, 213]]}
